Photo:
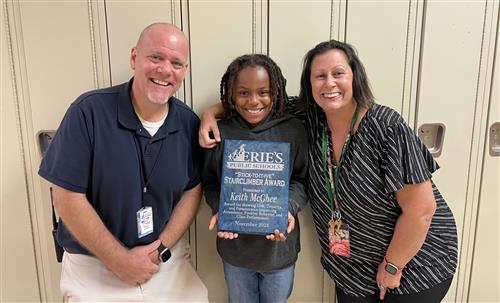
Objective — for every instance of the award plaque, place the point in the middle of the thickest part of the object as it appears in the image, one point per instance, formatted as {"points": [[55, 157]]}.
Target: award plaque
{"points": [[254, 187]]}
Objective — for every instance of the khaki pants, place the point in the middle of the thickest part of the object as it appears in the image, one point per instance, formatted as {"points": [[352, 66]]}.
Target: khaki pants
{"points": [[86, 279]]}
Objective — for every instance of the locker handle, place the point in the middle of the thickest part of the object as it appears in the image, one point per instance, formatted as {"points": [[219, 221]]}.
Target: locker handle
{"points": [[44, 137], [432, 135], [495, 139]]}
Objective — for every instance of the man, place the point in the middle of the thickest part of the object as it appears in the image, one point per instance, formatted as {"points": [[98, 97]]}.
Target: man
{"points": [[125, 169]]}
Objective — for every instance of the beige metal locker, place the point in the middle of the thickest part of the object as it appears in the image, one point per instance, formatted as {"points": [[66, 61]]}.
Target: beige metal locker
{"points": [[52, 50], [450, 56], [484, 278], [382, 45], [125, 21], [18, 275]]}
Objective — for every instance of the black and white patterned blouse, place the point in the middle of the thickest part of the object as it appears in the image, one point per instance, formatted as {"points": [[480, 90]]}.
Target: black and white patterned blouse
{"points": [[383, 156]]}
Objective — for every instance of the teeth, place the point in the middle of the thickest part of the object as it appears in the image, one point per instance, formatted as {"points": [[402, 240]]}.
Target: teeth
{"points": [[331, 95], [253, 111], [160, 82]]}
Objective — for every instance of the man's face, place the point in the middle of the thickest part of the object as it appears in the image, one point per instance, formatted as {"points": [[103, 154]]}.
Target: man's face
{"points": [[159, 62]]}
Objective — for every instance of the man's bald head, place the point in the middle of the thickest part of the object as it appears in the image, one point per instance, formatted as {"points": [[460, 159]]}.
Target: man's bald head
{"points": [[161, 29]]}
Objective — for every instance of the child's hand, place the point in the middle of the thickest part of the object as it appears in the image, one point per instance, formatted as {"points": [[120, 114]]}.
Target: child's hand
{"points": [[221, 234], [213, 221], [277, 236], [227, 235]]}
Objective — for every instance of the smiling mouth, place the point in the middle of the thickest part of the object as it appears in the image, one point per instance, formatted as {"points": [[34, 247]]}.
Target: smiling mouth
{"points": [[161, 83], [254, 111], [331, 95]]}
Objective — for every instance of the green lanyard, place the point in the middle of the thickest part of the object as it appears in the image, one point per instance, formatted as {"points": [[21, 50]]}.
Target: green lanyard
{"points": [[332, 177]]}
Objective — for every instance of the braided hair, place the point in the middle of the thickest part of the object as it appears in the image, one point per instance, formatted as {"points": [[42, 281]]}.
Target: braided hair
{"points": [[277, 83]]}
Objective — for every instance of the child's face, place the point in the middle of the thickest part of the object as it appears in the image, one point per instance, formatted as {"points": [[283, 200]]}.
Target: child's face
{"points": [[251, 94]]}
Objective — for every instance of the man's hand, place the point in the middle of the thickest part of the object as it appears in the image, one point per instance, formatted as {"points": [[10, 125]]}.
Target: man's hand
{"points": [[154, 256], [136, 267], [132, 266]]}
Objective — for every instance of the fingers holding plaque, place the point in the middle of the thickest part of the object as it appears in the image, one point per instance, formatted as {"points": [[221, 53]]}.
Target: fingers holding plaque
{"points": [[254, 187]]}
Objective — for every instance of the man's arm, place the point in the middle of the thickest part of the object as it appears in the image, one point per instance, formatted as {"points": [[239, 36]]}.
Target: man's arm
{"points": [[132, 266], [182, 216]]}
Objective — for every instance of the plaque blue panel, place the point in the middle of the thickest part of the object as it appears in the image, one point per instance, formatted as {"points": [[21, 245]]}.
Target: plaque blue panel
{"points": [[254, 187]]}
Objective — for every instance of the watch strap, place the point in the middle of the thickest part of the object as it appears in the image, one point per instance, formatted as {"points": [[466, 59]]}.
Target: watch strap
{"points": [[163, 253]]}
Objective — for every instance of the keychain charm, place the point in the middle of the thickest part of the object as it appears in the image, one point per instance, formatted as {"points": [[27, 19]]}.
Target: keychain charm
{"points": [[339, 239]]}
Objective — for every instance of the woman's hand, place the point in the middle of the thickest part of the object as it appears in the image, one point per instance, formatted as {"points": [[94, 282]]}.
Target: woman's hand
{"points": [[208, 125], [277, 236], [387, 281]]}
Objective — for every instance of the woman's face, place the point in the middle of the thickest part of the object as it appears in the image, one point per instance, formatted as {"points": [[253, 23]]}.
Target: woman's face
{"points": [[331, 80], [251, 94]]}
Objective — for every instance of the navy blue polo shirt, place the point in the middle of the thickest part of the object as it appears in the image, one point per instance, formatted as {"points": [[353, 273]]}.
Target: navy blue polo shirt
{"points": [[97, 151]]}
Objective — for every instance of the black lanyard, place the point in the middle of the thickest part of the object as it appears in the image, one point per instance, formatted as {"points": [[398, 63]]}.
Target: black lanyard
{"points": [[332, 177], [145, 179]]}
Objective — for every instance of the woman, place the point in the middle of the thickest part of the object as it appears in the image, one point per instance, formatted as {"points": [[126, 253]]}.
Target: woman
{"points": [[385, 231]]}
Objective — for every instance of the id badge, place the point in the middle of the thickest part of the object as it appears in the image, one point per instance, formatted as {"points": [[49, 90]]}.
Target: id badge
{"points": [[144, 221], [338, 234]]}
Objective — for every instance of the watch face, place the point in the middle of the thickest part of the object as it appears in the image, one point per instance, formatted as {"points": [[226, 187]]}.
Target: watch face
{"points": [[391, 269], [165, 255]]}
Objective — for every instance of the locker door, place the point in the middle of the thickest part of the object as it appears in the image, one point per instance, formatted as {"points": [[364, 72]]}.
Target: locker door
{"points": [[18, 280], [484, 281], [125, 21], [382, 46], [292, 32], [54, 64], [451, 50], [219, 32]]}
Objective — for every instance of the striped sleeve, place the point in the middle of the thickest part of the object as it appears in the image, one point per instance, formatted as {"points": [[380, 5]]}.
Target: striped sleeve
{"points": [[406, 159]]}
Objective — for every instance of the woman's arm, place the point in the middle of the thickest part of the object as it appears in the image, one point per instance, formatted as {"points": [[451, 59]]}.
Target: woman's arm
{"points": [[209, 125], [418, 206]]}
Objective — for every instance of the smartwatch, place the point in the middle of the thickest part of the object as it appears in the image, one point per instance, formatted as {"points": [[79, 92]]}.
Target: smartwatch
{"points": [[391, 268], [163, 253]]}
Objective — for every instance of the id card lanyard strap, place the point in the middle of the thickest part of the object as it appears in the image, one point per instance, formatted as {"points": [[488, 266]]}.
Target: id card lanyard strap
{"points": [[145, 179], [332, 172]]}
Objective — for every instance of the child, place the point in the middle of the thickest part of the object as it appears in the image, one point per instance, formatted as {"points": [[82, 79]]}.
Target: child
{"points": [[258, 268]]}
